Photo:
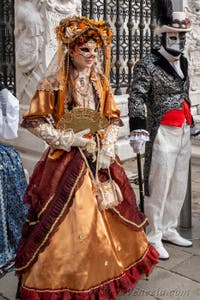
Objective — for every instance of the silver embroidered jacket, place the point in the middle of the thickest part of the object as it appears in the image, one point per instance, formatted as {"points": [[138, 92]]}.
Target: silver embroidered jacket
{"points": [[156, 89]]}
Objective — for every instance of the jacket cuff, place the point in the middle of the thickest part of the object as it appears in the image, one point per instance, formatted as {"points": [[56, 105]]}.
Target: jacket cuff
{"points": [[137, 123]]}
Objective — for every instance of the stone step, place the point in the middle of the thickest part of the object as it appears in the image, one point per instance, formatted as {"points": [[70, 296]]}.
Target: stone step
{"points": [[195, 157]]}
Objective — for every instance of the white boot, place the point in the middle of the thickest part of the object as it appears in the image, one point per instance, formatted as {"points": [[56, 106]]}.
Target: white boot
{"points": [[173, 237], [164, 255]]}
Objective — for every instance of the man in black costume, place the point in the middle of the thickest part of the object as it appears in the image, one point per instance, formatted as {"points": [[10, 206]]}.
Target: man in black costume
{"points": [[161, 83]]}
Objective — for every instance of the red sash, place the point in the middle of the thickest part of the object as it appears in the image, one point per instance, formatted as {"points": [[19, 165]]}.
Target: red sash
{"points": [[177, 117]]}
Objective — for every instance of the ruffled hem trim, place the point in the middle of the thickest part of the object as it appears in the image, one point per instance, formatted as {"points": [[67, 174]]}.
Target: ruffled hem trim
{"points": [[38, 232], [106, 291]]}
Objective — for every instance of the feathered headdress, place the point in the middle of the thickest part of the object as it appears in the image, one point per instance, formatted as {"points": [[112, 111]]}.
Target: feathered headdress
{"points": [[169, 21], [71, 29], [79, 29]]}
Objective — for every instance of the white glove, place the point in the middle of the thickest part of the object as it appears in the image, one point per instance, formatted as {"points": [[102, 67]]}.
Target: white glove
{"points": [[137, 146], [138, 138], [79, 140], [107, 152], [104, 161], [59, 139]]}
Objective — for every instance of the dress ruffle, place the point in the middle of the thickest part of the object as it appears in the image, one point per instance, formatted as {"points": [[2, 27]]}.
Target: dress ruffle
{"points": [[106, 291], [42, 223]]}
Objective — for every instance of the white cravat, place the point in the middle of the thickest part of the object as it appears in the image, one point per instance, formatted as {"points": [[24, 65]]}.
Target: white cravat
{"points": [[174, 61], [177, 68]]}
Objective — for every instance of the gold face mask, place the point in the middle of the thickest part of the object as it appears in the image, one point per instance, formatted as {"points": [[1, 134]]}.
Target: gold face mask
{"points": [[88, 49]]}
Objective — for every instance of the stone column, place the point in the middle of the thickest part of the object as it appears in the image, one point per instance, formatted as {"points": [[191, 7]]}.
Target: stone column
{"points": [[193, 53], [35, 22]]}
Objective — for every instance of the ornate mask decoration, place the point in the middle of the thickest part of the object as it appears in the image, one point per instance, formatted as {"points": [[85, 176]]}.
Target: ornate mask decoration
{"points": [[88, 49], [175, 41]]}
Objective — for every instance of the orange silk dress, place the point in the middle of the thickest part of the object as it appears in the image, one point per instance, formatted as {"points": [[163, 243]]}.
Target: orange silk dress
{"points": [[70, 249]]}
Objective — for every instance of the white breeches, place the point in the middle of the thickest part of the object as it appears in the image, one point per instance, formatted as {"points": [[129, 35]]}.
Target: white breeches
{"points": [[168, 180]]}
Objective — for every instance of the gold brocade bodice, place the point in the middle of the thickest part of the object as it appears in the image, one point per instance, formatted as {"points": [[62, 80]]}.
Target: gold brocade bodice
{"points": [[85, 115]]}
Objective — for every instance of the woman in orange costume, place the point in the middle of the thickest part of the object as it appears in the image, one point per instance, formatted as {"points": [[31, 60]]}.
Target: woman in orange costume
{"points": [[81, 240]]}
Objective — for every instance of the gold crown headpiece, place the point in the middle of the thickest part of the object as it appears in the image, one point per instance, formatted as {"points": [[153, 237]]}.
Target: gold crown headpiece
{"points": [[74, 29]]}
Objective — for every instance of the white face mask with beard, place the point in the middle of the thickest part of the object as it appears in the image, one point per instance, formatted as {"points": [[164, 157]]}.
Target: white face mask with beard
{"points": [[175, 42]]}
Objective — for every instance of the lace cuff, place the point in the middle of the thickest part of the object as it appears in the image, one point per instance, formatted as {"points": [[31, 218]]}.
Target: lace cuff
{"points": [[109, 140], [139, 135], [57, 139]]}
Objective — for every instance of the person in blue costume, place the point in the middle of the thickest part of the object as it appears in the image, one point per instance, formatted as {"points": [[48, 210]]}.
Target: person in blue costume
{"points": [[12, 182]]}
